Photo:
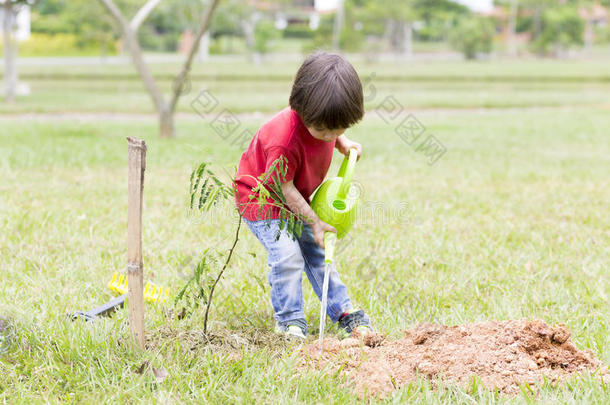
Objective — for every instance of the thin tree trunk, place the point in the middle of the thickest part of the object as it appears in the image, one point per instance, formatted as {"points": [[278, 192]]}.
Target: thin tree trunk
{"points": [[202, 29], [338, 24], [166, 127], [166, 123], [512, 28], [537, 24], [132, 45], [397, 36], [589, 35], [10, 68], [142, 13], [204, 48], [203, 53], [247, 26], [407, 46], [15, 79], [165, 110], [224, 267], [387, 32], [131, 42], [103, 50]]}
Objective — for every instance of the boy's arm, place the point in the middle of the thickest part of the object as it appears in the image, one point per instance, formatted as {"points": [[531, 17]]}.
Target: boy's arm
{"points": [[344, 144], [299, 206]]}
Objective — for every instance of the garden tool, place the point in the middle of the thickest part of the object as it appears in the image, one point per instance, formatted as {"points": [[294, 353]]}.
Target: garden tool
{"points": [[336, 203], [118, 284], [152, 292], [103, 310]]}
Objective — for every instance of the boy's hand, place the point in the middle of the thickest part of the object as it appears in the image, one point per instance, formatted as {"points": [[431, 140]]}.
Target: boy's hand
{"points": [[344, 144], [298, 205], [319, 228]]}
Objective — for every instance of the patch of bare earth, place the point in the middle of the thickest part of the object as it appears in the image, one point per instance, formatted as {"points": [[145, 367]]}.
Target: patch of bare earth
{"points": [[503, 356]]}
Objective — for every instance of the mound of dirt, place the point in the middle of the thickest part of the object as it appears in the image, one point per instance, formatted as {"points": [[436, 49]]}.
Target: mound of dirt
{"points": [[503, 355]]}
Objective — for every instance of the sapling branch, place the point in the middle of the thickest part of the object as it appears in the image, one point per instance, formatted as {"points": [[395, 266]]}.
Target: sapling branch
{"points": [[206, 190], [224, 267]]}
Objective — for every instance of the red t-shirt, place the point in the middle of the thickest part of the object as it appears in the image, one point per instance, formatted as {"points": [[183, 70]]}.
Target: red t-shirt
{"points": [[307, 161]]}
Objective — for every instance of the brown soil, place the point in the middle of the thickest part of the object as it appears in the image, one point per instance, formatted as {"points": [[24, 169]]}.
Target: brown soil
{"points": [[503, 355]]}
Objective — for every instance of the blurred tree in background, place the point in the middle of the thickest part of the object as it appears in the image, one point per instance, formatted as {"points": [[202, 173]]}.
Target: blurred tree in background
{"points": [[128, 27], [395, 18], [545, 27], [438, 18], [78, 26], [390, 26], [236, 18], [161, 31], [90, 25], [264, 32], [560, 29], [473, 36]]}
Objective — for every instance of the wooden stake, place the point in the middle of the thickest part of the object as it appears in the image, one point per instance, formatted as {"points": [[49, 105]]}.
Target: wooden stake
{"points": [[137, 164]]}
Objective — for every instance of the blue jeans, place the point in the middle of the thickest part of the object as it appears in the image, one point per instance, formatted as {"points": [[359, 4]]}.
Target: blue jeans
{"points": [[287, 258]]}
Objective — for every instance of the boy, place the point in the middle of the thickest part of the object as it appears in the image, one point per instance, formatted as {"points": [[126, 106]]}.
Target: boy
{"points": [[326, 99]]}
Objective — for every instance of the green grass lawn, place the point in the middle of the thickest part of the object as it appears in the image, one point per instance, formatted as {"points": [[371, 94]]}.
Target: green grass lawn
{"points": [[511, 222], [243, 87], [128, 96]]}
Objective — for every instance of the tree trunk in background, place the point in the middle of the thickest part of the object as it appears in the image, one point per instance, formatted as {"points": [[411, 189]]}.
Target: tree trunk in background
{"points": [[161, 106], [130, 41], [512, 28], [401, 37], [203, 54], [10, 54], [589, 35], [103, 51], [407, 44], [129, 35], [183, 75], [338, 24], [204, 47], [247, 26], [166, 123], [387, 32], [142, 13]]}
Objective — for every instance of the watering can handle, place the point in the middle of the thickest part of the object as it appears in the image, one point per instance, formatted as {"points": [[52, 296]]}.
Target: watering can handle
{"points": [[346, 171]]}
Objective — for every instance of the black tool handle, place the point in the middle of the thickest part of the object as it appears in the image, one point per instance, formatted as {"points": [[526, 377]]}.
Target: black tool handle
{"points": [[103, 310]]}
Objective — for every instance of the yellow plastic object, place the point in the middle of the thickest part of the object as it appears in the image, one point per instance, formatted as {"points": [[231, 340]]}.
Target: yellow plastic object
{"points": [[152, 292], [118, 284]]}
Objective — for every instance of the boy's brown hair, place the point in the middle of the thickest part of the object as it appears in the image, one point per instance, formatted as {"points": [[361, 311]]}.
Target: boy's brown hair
{"points": [[327, 92]]}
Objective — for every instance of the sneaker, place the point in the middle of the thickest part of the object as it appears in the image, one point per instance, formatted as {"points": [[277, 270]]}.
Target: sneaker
{"points": [[354, 320], [290, 331]]}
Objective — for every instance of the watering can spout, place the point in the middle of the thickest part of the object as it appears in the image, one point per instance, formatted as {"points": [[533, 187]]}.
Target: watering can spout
{"points": [[330, 239]]}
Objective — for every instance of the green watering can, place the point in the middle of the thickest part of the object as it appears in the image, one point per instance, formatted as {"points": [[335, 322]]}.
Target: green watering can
{"points": [[336, 204], [333, 202]]}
